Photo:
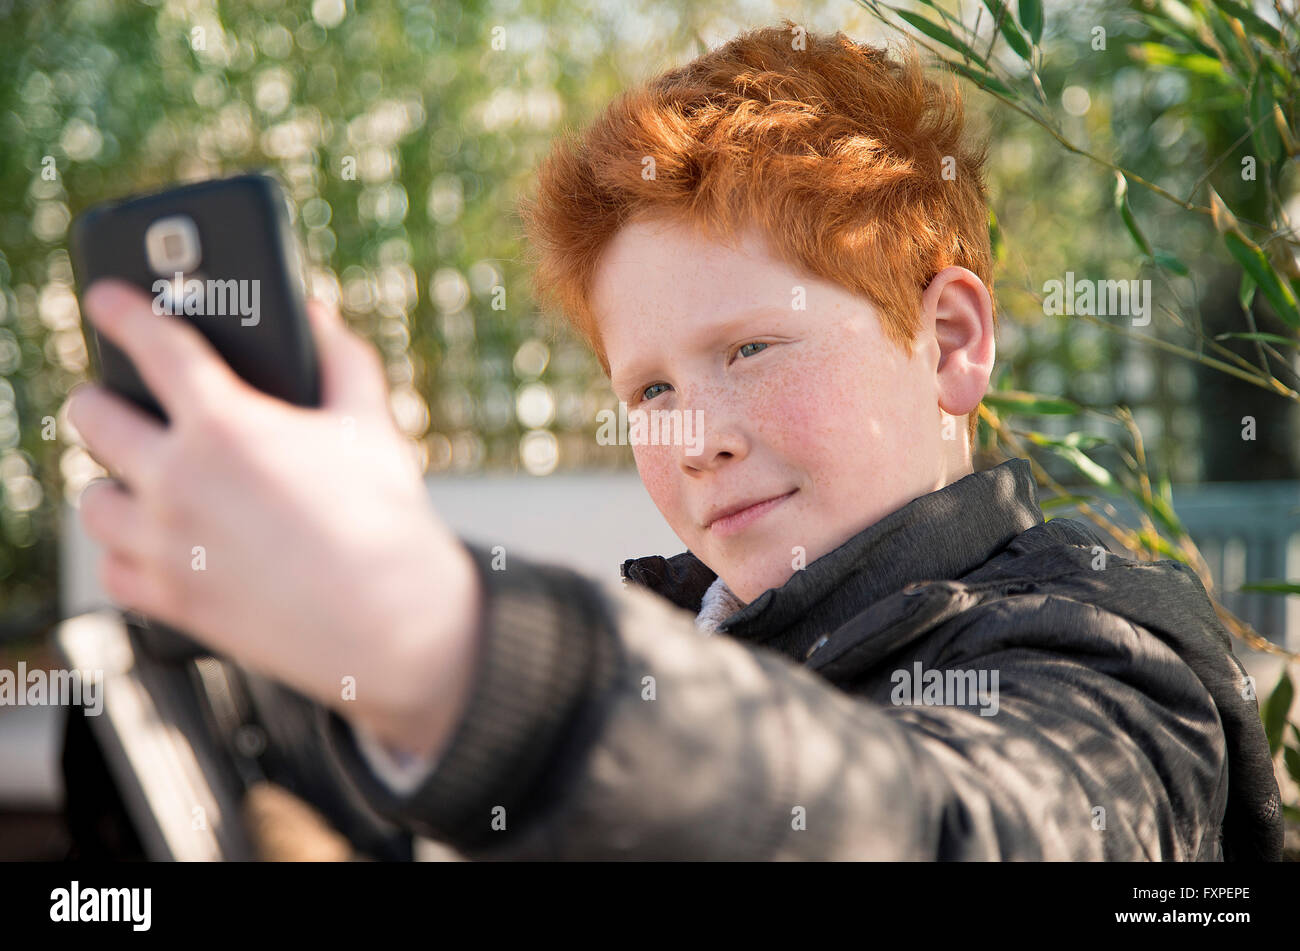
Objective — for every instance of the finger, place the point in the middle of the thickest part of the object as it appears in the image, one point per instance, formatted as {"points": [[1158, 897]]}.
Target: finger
{"points": [[352, 374], [137, 587], [122, 437], [125, 582], [112, 517], [175, 361]]}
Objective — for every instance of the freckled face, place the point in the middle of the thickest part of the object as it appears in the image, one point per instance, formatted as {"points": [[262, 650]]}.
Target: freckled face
{"points": [[815, 404]]}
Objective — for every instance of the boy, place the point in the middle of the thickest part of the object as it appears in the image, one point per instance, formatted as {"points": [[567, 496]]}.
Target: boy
{"points": [[868, 651], [840, 418]]}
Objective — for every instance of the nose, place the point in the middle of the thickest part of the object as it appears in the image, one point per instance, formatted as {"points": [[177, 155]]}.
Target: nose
{"points": [[719, 437]]}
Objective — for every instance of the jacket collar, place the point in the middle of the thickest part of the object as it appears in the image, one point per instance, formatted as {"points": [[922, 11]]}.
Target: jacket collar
{"points": [[944, 534]]}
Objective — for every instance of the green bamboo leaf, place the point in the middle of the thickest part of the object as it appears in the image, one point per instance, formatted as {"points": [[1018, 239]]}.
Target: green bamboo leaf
{"points": [[1222, 216], [1246, 290], [1252, 258], [1031, 18], [1125, 212], [936, 32], [1261, 337], [1159, 55], [1062, 501], [1267, 142], [1260, 27], [1080, 440], [1165, 489], [1275, 710], [1160, 509], [983, 80], [1179, 14], [1161, 546], [1287, 79], [1010, 32], [1291, 757], [1227, 41], [1074, 440], [1072, 454], [1289, 144], [1092, 471], [1174, 32], [1171, 262], [996, 244], [1031, 404], [1273, 587]]}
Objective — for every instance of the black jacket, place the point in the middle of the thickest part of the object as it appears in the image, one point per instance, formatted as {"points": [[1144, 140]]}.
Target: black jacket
{"points": [[604, 725]]}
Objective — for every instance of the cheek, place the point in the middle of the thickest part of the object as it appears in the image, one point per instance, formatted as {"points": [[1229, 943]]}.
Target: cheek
{"points": [[845, 418], [656, 466], [783, 397], [810, 412], [794, 418]]}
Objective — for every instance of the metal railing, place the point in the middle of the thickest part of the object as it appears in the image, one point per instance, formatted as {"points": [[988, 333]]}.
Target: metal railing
{"points": [[1247, 532]]}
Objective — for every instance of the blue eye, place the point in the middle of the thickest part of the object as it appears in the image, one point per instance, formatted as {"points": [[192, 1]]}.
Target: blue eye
{"points": [[741, 350]]}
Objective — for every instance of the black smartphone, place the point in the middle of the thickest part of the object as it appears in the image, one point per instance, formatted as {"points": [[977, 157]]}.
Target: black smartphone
{"points": [[223, 255]]}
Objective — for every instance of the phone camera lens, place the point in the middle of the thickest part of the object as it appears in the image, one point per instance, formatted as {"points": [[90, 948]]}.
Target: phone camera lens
{"points": [[172, 245]]}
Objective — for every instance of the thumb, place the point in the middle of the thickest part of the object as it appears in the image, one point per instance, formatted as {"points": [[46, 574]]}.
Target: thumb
{"points": [[352, 375]]}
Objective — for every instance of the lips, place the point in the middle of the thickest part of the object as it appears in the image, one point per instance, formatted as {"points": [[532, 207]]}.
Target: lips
{"points": [[734, 517]]}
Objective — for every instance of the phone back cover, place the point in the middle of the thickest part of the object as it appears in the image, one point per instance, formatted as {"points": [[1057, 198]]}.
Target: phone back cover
{"points": [[244, 235]]}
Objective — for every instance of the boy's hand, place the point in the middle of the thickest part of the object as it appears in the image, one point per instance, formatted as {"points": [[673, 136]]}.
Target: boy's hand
{"points": [[299, 541]]}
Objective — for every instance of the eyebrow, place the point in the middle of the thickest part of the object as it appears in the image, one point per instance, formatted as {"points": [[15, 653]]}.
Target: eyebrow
{"points": [[703, 338]]}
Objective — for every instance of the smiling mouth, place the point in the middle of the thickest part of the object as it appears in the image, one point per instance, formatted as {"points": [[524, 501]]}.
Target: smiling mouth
{"points": [[730, 524]]}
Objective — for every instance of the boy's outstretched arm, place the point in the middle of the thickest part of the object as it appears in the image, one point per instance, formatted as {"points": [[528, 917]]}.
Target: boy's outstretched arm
{"points": [[602, 725]]}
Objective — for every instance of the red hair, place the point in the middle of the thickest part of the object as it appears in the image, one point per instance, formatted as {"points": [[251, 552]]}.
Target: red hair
{"points": [[854, 165]]}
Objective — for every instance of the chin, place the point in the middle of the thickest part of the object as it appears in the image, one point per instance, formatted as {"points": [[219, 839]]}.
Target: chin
{"points": [[754, 584]]}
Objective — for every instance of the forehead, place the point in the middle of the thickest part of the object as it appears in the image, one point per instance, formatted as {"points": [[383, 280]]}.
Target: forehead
{"points": [[665, 291], [659, 270], [676, 245]]}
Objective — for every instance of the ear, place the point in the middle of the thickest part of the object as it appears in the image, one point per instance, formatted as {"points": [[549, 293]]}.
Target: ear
{"points": [[961, 310]]}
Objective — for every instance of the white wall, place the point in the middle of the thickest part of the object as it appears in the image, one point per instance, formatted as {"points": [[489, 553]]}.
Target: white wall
{"points": [[588, 521]]}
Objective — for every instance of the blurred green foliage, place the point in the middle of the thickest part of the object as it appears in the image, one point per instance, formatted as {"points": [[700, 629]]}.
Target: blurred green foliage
{"points": [[405, 133]]}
